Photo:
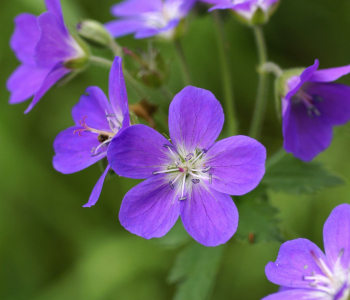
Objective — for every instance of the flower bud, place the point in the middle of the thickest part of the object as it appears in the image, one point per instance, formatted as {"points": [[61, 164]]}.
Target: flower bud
{"points": [[94, 33], [80, 61]]}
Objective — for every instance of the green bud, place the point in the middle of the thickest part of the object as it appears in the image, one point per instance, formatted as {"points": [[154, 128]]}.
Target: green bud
{"points": [[94, 33]]}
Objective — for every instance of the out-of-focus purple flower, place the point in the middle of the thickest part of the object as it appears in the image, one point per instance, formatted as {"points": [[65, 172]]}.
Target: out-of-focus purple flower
{"points": [[305, 272], [47, 52], [245, 8], [190, 175], [148, 18], [311, 106], [97, 121]]}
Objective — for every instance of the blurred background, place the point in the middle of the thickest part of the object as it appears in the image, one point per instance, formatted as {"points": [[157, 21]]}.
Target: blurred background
{"points": [[52, 248]]}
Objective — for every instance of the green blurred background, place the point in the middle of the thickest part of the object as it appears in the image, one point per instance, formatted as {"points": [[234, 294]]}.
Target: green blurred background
{"points": [[52, 248]]}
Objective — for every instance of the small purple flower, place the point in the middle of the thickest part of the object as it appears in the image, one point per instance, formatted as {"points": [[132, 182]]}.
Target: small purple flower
{"points": [[45, 48], [148, 18], [97, 121], [304, 272], [190, 175], [311, 106], [245, 8]]}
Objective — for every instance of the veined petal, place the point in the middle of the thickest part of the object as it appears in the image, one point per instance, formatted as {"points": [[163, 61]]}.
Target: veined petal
{"points": [[148, 32], [240, 6], [195, 119], [296, 259], [336, 236], [137, 151], [123, 27], [237, 165], [136, 7], [299, 294], [54, 75], [117, 92], [25, 37], [25, 81], [95, 106], [305, 136], [210, 217], [150, 209], [334, 101], [332, 74], [54, 6], [96, 192], [74, 152]]}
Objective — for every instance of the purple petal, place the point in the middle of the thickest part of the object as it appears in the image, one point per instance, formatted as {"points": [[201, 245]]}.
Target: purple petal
{"points": [[25, 81], [240, 6], [137, 151], [305, 136], [298, 81], [210, 217], [55, 75], [150, 209], [123, 27], [336, 235], [332, 74], [217, 1], [136, 7], [117, 92], [185, 7], [74, 152], [296, 259], [298, 295], [148, 32], [96, 192], [54, 6], [335, 101], [94, 106], [55, 45], [238, 165], [25, 37], [195, 119]]}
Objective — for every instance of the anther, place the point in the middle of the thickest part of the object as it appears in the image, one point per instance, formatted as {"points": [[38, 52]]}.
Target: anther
{"points": [[167, 146], [210, 178], [110, 115], [195, 181], [207, 169], [317, 98], [189, 156], [96, 154], [171, 185], [182, 198]]}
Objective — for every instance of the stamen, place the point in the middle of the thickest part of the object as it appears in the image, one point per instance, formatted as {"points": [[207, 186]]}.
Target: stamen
{"points": [[195, 181], [171, 185], [324, 268], [197, 158], [167, 171], [182, 198], [206, 170], [183, 186], [189, 156], [210, 178]]}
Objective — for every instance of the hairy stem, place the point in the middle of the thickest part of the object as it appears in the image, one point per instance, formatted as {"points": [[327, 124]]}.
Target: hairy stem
{"points": [[183, 64]]}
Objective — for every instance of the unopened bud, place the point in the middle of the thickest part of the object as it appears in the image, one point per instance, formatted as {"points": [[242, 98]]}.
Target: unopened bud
{"points": [[94, 33]]}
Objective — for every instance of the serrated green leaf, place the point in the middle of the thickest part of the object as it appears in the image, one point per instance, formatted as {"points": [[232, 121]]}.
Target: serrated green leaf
{"points": [[293, 176], [257, 218], [195, 270]]}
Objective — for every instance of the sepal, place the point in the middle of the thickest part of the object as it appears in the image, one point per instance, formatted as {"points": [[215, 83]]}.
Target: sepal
{"points": [[94, 33]]}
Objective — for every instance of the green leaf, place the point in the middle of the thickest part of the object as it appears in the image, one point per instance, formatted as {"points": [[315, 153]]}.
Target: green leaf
{"points": [[293, 176], [195, 271], [257, 218]]}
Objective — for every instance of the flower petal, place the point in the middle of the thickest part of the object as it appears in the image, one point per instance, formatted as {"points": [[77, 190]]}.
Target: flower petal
{"points": [[137, 151], [238, 165], [296, 259], [25, 37], [54, 75], [96, 192], [25, 81], [117, 92], [136, 7], [150, 209], [336, 235], [54, 6], [297, 294], [305, 136], [210, 217], [195, 119], [74, 152], [95, 106], [296, 82], [148, 32], [123, 27], [335, 101], [332, 74]]}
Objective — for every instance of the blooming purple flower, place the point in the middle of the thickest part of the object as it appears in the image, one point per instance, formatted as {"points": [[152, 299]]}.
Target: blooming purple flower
{"points": [[304, 272], [45, 48], [97, 121], [245, 8], [148, 18], [190, 175], [311, 106]]}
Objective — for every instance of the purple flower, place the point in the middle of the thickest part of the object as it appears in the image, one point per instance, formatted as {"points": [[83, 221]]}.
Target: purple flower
{"points": [[245, 8], [304, 272], [45, 48], [311, 106], [147, 18], [190, 175], [97, 121]]}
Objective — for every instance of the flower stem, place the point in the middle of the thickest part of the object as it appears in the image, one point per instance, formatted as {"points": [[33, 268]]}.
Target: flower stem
{"points": [[100, 61], [260, 105], [183, 64], [167, 93], [227, 76]]}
